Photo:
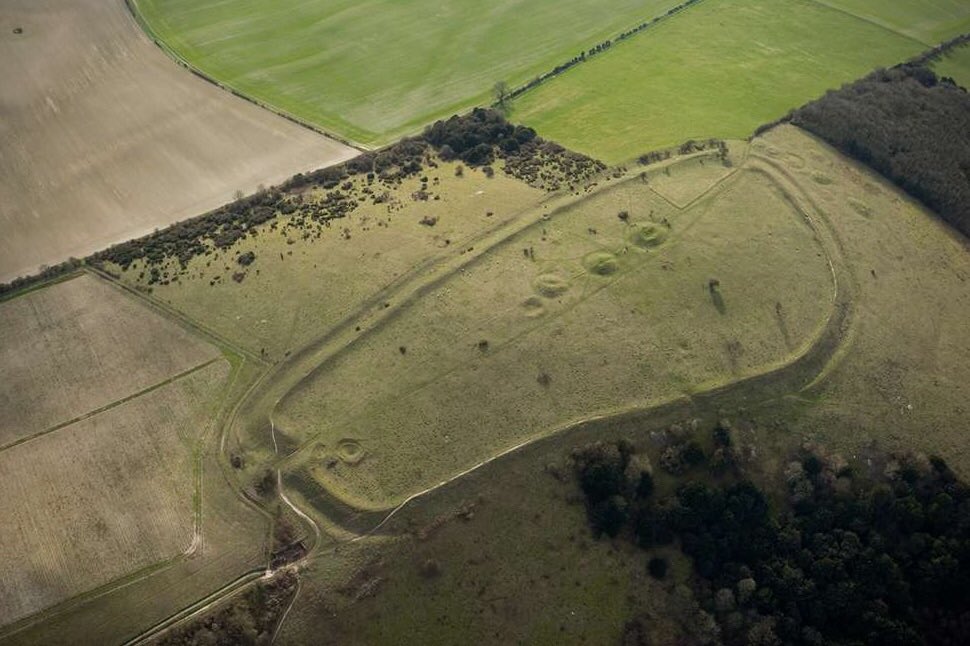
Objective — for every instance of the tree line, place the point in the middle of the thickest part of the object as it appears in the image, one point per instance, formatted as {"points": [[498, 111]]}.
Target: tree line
{"points": [[585, 55]]}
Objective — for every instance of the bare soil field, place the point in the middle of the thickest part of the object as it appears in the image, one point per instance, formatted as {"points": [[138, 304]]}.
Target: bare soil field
{"points": [[79, 345], [102, 498], [103, 138]]}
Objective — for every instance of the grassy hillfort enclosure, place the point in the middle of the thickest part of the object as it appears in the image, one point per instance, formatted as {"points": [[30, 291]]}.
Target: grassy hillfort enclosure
{"points": [[104, 139], [653, 363], [585, 324], [374, 70]]}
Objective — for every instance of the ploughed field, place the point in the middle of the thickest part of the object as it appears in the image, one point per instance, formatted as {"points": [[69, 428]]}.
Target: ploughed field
{"points": [[104, 139], [104, 403]]}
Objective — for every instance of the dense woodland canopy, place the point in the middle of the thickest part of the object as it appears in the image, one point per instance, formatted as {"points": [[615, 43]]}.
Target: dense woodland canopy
{"points": [[855, 555], [909, 125]]}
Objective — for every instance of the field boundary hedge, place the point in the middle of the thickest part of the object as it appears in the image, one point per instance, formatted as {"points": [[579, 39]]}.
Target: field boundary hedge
{"points": [[599, 48]]}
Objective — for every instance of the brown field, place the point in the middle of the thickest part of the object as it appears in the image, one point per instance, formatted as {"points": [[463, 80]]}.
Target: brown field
{"points": [[101, 498], [104, 138], [72, 348]]}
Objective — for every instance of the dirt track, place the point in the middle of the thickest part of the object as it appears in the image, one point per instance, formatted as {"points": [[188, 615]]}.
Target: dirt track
{"points": [[103, 138]]}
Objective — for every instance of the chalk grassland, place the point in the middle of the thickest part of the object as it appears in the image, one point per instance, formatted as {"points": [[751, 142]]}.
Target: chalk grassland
{"points": [[104, 138], [307, 278], [101, 498], [581, 314], [374, 70], [719, 69], [902, 380], [929, 21], [956, 65], [77, 346], [503, 556], [522, 566]]}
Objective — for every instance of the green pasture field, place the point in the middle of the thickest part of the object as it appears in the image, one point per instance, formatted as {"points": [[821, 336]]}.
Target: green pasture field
{"points": [[956, 65], [371, 71], [928, 21], [718, 69]]}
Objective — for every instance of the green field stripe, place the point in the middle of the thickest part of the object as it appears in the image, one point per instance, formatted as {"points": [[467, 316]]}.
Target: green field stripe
{"points": [[114, 404], [615, 40], [876, 23]]}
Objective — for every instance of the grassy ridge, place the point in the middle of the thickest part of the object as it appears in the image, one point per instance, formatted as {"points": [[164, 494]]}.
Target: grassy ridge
{"points": [[719, 69], [376, 69]]}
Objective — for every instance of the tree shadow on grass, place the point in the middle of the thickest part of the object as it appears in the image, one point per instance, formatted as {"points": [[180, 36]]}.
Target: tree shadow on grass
{"points": [[718, 301]]}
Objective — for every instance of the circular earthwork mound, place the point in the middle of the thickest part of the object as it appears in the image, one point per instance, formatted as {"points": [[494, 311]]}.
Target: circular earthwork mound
{"points": [[533, 307], [601, 263], [647, 236], [551, 285], [350, 451]]}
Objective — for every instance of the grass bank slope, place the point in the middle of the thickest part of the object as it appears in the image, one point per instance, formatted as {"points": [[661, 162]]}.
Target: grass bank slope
{"points": [[956, 65], [719, 69], [373, 70]]}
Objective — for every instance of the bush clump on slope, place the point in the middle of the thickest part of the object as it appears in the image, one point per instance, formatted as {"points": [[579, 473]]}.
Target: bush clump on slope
{"points": [[908, 125]]}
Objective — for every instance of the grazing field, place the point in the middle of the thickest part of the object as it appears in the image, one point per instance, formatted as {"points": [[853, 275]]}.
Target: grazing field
{"points": [[74, 347], [929, 21], [102, 498], [104, 138], [305, 279], [374, 70], [956, 65], [719, 69], [601, 306]]}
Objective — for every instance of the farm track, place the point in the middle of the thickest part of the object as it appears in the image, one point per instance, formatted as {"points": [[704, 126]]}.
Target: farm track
{"points": [[790, 378]]}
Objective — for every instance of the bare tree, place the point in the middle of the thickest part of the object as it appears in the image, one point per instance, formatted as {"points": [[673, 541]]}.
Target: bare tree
{"points": [[501, 91]]}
